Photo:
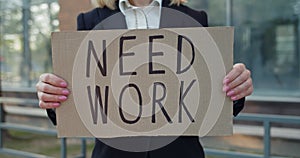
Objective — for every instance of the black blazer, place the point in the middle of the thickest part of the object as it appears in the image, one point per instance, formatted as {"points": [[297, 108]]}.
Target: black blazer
{"points": [[183, 146]]}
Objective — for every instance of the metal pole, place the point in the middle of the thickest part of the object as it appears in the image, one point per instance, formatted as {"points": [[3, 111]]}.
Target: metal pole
{"points": [[83, 147], [26, 63], [267, 139], [1, 130], [1, 105], [63, 148], [298, 41], [229, 12]]}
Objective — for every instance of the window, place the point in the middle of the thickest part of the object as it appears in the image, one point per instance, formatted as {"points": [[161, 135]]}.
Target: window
{"points": [[267, 35], [266, 39]]}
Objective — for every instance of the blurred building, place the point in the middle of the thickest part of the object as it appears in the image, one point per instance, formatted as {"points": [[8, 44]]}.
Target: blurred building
{"points": [[266, 40]]}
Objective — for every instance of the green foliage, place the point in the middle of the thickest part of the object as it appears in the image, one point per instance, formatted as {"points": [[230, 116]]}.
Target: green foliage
{"points": [[42, 20]]}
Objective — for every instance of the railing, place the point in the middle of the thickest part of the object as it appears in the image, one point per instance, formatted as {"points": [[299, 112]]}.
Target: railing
{"points": [[265, 119], [11, 101]]}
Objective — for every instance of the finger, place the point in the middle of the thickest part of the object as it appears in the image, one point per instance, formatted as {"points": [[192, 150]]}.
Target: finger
{"points": [[243, 94], [50, 89], [48, 105], [240, 80], [240, 88], [53, 80], [50, 97], [234, 73]]}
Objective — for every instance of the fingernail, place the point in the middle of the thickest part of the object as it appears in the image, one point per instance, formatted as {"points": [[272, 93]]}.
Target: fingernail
{"points": [[65, 92], [64, 84], [225, 88], [226, 80], [230, 93], [56, 104], [234, 98], [62, 97]]}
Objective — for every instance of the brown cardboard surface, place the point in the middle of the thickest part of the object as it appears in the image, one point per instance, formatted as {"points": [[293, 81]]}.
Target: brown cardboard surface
{"points": [[145, 87]]}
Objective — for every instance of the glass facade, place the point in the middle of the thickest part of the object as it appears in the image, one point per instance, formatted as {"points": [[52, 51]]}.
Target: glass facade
{"points": [[25, 50], [266, 40]]}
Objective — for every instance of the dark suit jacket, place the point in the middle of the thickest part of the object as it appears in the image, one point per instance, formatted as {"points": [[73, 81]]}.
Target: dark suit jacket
{"points": [[183, 146]]}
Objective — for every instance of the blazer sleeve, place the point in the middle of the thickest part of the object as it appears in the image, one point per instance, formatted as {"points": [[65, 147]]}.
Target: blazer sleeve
{"points": [[52, 116], [88, 20], [201, 18], [81, 22], [238, 106], [199, 15]]}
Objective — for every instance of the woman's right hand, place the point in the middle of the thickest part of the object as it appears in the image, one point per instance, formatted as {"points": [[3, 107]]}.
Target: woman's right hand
{"points": [[51, 91]]}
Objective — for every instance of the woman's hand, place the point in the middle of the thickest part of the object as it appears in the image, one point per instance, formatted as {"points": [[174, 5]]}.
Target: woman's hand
{"points": [[51, 91], [238, 83]]}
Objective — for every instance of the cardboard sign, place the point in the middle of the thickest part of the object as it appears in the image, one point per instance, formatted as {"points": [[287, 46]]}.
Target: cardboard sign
{"points": [[164, 82]]}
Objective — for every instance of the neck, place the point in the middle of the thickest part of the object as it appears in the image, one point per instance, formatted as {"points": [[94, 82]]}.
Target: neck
{"points": [[140, 3]]}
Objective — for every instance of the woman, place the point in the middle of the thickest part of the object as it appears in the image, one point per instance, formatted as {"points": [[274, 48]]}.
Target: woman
{"points": [[144, 14]]}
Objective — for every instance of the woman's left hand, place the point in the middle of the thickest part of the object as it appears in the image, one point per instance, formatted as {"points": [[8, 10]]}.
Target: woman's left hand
{"points": [[238, 83]]}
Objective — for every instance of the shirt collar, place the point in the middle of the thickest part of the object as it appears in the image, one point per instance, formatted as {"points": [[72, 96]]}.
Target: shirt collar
{"points": [[125, 5]]}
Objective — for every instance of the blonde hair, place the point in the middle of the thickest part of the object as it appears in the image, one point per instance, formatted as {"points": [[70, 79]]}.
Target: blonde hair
{"points": [[111, 3]]}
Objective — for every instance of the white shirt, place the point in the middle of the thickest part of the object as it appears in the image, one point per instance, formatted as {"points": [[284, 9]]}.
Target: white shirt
{"points": [[141, 17]]}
